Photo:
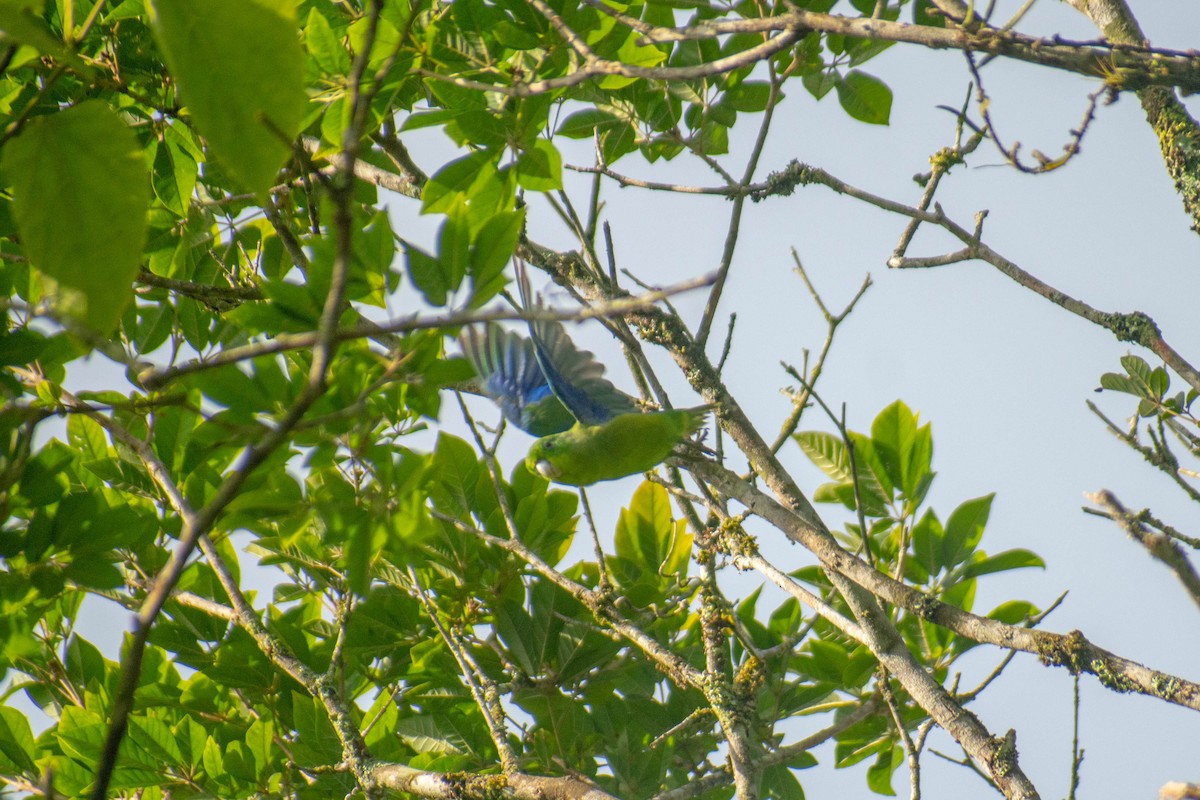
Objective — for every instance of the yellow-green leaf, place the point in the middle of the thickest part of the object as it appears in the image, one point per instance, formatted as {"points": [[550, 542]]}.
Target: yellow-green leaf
{"points": [[80, 195], [240, 71], [22, 20], [539, 168]]}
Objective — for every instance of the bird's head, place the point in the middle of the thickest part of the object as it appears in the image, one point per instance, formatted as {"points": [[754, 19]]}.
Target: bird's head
{"points": [[540, 458]]}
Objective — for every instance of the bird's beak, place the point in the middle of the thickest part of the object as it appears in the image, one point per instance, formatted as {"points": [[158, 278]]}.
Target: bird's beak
{"points": [[547, 470]]}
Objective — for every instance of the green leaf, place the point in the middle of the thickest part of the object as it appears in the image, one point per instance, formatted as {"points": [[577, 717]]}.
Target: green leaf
{"points": [[1160, 382], [679, 555], [865, 97], [454, 244], [539, 169], [260, 740], [455, 471], [427, 274], [1120, 383], [17, 748], [87, 437], [749, 96], [917, 467], [175, 172], [874, 486], [21, 20], [835, 493], [961, 594], [372, 277], [893, 434], [155, 740], [211, 759], [1137, 368], [781, 783], [879, 774], [863, 50], [491, 249], [459, 177], [787, 618], [645, 530], [1013, 612], [323, 45], [81, 733], [1001, 562], [583, 124], [964, 529], [380, 720], [20, 346], [431, 734], [821, 83], [927, 537], [86, 667], [618, 141], [649, 544], [316, 741], [240, 70], [525, 636], [827, 451], [924, 14], [828, 660], [80, 195], [364, 541], [239, 764], [636, 54]]}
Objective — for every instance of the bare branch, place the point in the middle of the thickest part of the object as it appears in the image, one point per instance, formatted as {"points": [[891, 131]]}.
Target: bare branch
{"points": [[156, 378], [1156, 544], [1135, 326], [482, 689], [781, 756], [1124, 66], [1072, 650], [465, 786]]}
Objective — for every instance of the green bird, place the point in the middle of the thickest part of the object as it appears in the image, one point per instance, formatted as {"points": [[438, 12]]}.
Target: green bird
{"points": [[589, 430], [625, 445], [511, 375]]}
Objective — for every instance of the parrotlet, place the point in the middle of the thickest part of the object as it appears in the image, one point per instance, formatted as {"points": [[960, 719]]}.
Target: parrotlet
{"points": [[589, 430], [625, 445], [512, 376]]}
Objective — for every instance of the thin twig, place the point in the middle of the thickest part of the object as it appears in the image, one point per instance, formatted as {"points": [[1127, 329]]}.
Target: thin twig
{"points": [[482, 688], [156, 378], [1156, 544], [832, 321]]}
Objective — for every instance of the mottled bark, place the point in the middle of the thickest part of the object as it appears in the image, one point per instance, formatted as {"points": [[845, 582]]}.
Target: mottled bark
{"points": [[1178, 133]]}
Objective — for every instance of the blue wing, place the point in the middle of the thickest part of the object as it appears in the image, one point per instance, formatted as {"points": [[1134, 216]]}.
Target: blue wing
{"points": [[508, 366], [574, 375]]}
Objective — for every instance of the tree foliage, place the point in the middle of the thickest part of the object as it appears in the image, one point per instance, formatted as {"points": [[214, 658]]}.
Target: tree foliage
{"points": [[194, 192]]}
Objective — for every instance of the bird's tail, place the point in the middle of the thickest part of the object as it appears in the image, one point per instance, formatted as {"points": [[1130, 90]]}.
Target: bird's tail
{"points": [[696, 417]]}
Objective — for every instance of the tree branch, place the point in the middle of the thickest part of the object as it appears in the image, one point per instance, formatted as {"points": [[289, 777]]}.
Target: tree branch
{"points": [[1072, 650], [154, 378], [1122, 66], [1177, 131], [1156, 544]]}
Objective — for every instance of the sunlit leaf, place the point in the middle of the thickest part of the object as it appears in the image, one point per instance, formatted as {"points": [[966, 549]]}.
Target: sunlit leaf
{"points": [[80, 195], [240, 71]]}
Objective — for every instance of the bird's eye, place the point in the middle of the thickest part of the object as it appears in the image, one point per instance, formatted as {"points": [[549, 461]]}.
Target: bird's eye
{"points": [[547, 445]]}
